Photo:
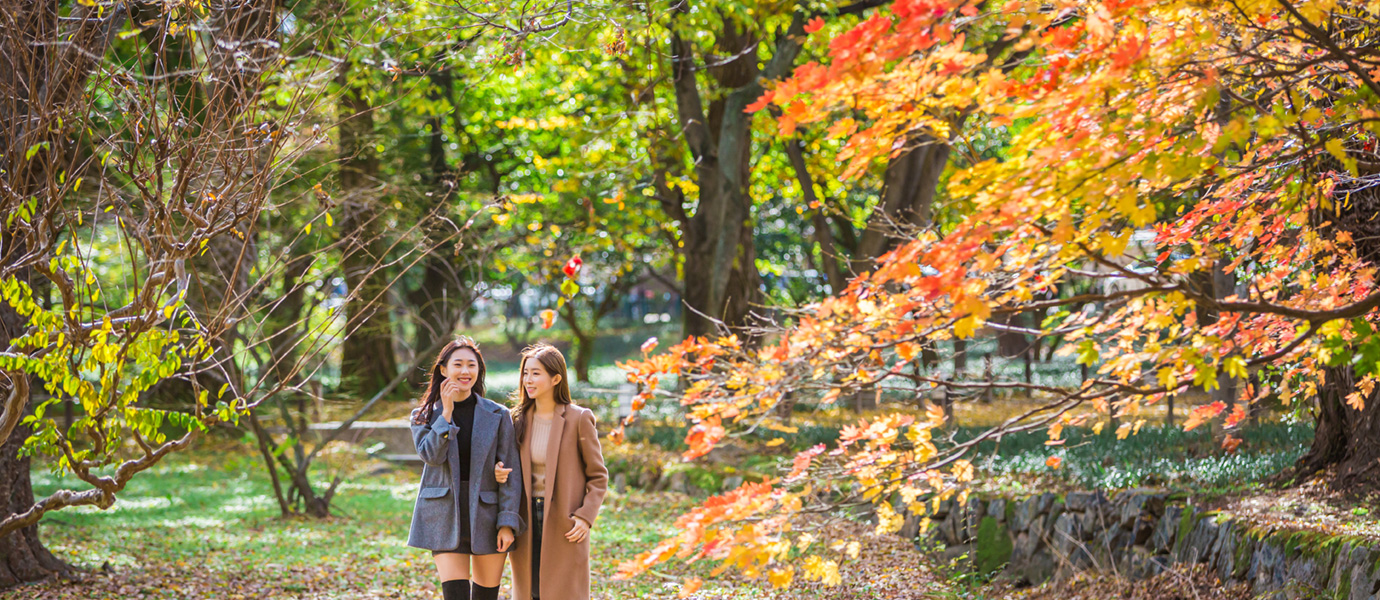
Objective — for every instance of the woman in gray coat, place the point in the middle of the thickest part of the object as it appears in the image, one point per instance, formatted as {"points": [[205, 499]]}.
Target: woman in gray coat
{"points": [[463, 515]]}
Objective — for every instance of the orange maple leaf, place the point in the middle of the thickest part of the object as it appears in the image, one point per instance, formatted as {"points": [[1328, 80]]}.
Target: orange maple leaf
{"points": [[1356, 400], [690, 586], [761, 102], [1237, 415], [1203, 413]]}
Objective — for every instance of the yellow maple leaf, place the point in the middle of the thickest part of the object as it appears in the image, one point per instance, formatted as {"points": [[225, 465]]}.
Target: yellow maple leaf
{"points": [[781, 577], [964, 328], [963, 470]]}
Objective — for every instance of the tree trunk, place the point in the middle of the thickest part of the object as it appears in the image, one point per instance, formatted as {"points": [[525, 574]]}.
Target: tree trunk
{"points": [[22, 555], [1346, 441], [367, 361], [584, 354], [822, 232], [23, 558], [1223, 286], [1011, 344], [435, 299], [720, 270], [721, 281], [908, 192]]}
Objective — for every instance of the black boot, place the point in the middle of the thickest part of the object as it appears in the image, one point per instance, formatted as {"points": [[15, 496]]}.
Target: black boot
{"points": [[484, 593], [456, 589]]}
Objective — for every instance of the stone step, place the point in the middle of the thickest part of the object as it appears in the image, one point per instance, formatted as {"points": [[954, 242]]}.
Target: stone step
{"points": [[395, 434]]}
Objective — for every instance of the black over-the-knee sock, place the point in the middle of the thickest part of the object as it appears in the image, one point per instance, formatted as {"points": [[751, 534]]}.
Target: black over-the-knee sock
{"points": [[484, 593], [456, 589]]}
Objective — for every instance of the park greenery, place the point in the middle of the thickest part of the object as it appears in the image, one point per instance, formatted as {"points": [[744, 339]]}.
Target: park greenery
{"points": [[821, 268]]}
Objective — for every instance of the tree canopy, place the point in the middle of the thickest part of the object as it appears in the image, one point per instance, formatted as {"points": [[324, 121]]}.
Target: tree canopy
{"points": [[1239, 136]]}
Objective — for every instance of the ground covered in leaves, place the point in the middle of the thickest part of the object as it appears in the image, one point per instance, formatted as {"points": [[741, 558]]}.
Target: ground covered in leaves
{"points": [[1310, 506], [1196, 583], [205, 525]]}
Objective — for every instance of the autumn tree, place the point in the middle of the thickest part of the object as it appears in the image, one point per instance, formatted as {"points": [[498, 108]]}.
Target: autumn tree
{"points": [[1241, 134], [160, 270], [118, 141]]}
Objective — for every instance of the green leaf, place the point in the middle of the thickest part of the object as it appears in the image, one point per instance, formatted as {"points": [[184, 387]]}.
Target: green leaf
{"points": [[34, 150], [1087, 353]]}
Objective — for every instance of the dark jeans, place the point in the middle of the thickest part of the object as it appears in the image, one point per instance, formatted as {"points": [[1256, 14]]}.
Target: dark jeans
{"points": [[538, 518]]}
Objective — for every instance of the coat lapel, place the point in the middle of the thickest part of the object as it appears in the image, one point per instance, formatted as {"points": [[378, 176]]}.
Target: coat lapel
{"points": [[482, 439], [553, 450], [525, 456]]}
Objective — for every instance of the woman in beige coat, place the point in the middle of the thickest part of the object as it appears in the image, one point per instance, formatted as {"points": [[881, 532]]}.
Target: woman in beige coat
{"points": [[564, 482]]}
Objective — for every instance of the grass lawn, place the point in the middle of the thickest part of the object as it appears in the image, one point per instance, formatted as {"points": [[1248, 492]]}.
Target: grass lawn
{"points": [[204, 524]]}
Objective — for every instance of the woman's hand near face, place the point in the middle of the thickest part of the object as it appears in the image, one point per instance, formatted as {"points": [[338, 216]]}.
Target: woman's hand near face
{"points": [[505, 538], [500, 473], [578, 533], [450, 394]]}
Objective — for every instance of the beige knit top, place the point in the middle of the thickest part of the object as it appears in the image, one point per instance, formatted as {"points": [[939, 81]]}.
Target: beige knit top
{"points": [[541, 434]]}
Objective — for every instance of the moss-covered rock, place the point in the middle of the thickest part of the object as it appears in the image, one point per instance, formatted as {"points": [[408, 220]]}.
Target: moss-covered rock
{"points": [[1186, 524], [993, 546]]}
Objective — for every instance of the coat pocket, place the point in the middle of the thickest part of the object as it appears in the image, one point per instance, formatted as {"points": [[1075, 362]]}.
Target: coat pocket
{"points": [[488, 497], [433, 492]]}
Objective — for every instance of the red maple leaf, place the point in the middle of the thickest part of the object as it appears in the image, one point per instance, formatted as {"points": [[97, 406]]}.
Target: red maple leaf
{"points": [[572, 266]]}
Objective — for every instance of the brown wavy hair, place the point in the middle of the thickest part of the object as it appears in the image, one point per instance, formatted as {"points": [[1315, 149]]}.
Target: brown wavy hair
{"points": [[553, 362], [429, 400]]}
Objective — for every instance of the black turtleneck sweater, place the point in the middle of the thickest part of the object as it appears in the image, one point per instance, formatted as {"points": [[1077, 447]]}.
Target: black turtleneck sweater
{"points": [[462, 417]]}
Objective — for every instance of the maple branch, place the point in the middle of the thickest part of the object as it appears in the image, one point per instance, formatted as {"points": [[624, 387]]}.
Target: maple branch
{"points": [[1325, 40], [852, 9], [103, 496]]}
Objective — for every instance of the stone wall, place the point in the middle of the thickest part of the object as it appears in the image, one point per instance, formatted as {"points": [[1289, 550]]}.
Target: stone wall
{"points": [[1139, 533]]}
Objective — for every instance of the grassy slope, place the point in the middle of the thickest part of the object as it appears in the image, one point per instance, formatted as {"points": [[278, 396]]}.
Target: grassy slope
{"points": [[205, 524]]}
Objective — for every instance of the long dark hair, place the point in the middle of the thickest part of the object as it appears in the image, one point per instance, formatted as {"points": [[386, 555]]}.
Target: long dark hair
{"points": [[429, 400], [553, 362]]}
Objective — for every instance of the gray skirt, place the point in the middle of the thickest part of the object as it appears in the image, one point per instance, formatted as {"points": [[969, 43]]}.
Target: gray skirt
{"points": [[462, 492]]}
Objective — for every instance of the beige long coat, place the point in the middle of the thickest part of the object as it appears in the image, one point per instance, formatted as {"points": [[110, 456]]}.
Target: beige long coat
{"points": [[576, 480]]}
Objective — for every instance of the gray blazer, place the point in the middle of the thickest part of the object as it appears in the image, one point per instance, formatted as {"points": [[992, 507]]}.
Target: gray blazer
{"points": [[434, 522]]}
